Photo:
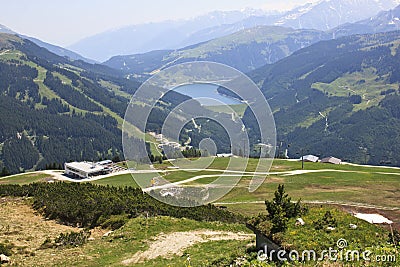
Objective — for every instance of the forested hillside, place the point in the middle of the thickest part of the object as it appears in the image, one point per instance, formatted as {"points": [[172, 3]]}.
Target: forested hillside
{"points": [[55, 110], [338, 97]]}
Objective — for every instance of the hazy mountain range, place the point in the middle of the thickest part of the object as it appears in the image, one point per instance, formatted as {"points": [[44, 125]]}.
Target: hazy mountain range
{"points": [[251, 48], [323, 15], [327, 14], [154, 36], [383, 22], [245, 50]]}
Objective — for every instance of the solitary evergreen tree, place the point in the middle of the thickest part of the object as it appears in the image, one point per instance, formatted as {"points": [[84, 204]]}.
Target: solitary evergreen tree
{"points": [[281, 209]]}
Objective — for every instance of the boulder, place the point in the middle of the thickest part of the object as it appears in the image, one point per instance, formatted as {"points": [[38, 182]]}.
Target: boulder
{"points": [[107, 234], [352, 226], [300, 221], [4, 259]]}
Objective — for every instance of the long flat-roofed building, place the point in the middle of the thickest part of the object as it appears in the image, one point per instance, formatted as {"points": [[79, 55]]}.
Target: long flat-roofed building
{"points": [[331, 160], [84, 169], [309, 158], [106, 162]]}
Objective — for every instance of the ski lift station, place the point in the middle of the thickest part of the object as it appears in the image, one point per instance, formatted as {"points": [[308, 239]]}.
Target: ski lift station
{"points": [[83, 170]]}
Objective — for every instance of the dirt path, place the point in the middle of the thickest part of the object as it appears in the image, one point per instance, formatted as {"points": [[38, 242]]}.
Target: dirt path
{"points": [[175, 243], [326, 202]]}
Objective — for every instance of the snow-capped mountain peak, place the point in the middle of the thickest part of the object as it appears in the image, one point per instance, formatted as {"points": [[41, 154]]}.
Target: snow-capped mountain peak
{"points": [[327, 14]]}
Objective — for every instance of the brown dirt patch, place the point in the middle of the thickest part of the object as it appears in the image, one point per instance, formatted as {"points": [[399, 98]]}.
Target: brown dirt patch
{"points": [[26, 230], [165, 245], [279, 168], [328, 188]]}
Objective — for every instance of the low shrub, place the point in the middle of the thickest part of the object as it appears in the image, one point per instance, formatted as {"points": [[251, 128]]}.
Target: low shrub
{"points": [[327, 221], [115, 221], [6, 249], [71, 239]]}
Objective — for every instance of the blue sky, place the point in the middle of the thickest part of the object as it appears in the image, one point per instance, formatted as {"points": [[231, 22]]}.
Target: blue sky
{"points": [[65, 22]]}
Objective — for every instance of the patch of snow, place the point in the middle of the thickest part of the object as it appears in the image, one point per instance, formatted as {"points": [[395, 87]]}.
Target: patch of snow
{"points": [[373, 218], [296, 13]]}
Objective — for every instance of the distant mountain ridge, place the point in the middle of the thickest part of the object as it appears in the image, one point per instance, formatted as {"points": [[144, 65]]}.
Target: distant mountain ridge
{"points": [[167, 35], [5, 29], [383, 22], [226, 29], [327, 14], [58, 50], [143, 38], [245, 50]]}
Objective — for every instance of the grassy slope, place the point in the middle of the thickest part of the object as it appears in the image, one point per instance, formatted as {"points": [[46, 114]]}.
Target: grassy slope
{"points": [[368, 185], [374, 185], [369, 233], [257, 34], [121, 180], [369, 89], [239, 109], [44, 91], [24, 178], [138, 234], [135, 236]]}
